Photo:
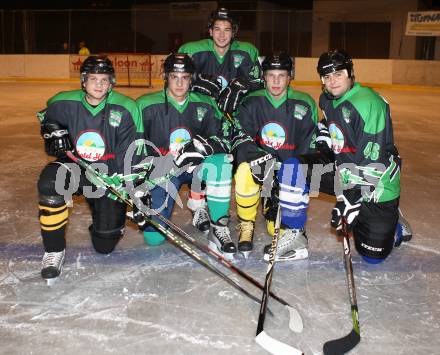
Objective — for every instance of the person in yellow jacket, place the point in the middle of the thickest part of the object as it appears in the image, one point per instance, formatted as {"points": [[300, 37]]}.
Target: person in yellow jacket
{"points": [[83, 50]]}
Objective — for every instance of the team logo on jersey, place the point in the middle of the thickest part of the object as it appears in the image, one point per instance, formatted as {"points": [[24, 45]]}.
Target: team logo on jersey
{"points": [[115, 118], [346, 114], [201, 111], [90, 146], [300, 112], [238, 59], [337, 138], [178, 138], [273, 135]]}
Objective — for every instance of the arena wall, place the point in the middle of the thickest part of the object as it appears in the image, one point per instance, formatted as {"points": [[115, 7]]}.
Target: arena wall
{"points": [[375, 71]]}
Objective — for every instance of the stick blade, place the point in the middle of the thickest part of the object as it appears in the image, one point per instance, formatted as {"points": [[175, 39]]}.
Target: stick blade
{"points": [[274, 346], [295, 321], [342, 345]]}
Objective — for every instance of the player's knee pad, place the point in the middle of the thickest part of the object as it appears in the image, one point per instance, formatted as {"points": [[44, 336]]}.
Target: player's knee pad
{"points": [[104, 241], [247, 193], [293, 195], [374, 229]]}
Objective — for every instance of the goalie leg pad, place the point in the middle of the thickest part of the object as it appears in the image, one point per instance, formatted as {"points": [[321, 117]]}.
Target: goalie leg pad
{"points": [[247, 193]]}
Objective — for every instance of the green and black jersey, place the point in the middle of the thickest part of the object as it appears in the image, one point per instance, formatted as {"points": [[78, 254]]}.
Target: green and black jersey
{"points": [[240, 61], [99, 134], [284, 127], [170, 125], [361, 131]]}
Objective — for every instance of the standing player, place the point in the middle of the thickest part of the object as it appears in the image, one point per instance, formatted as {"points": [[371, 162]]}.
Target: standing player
{"points": [[283, 122], [226, 69], [180, 122], [98, 124], [367, 161]]}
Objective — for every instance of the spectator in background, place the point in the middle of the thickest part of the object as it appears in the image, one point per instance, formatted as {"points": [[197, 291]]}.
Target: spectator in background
{"points": [[83, 50]]}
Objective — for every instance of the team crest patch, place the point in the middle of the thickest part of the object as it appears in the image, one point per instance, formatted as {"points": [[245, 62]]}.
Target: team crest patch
{"points": [[201, 111], [337, 137], [90, 145], [346, 114], [273, 135], [115, 118], [238, 59], [300, 112]]}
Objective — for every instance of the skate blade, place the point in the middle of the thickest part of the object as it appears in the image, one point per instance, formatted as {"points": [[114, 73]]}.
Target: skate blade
{"points": [[215, 248], [300, 254]]}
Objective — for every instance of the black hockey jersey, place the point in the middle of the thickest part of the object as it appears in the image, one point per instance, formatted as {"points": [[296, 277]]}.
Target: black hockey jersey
{"points": [[361, 131], [240, 61], [169, 131], [99, 134], [285, 127]]}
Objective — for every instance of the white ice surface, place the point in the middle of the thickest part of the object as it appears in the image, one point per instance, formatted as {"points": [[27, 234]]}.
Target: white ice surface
{"points": [[144, 300]]}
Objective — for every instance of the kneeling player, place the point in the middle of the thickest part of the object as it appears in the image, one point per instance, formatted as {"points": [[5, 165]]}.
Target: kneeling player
{"points": [[180, 122], [98, 124], [283, 122]]}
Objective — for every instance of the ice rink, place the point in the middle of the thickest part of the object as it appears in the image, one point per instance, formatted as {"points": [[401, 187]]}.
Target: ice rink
{"points": [[156, 300]]}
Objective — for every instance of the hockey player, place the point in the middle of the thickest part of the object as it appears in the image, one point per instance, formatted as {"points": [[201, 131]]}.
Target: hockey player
{"points": [[97, 124], [367, 161], [226, 69], [180, 122], [283, 122]]}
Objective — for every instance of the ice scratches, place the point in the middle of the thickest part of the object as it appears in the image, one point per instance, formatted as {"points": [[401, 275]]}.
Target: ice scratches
{"points": [[423, 248], [228, 295]]}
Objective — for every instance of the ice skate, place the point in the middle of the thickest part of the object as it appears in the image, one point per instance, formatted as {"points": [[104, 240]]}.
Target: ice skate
{"points": [[292, 245], [201, 220], [52, 266], [403, 231], [245, 243], [220, 239]]}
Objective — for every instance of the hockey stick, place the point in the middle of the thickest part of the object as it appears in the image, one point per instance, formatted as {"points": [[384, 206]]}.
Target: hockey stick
{"points": [[271, 345], [168, 234], [345, 344], [295, 322]]}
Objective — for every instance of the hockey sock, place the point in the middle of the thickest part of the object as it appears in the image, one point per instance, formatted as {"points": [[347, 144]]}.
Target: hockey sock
{"points": [[217, 174], [247, 193]]}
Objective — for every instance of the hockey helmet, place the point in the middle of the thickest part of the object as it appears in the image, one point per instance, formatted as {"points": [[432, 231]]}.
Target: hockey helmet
{"points": [[278, 61], [335, 60], [97, 65], [178, 62], [224, 15]]}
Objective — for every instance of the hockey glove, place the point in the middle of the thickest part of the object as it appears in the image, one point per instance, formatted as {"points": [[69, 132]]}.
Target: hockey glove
{"points": [[344, 208], [231, 95], [194, 152], [141, 205], [323, 140], [56, 139], [207, 85], [262, 166]]}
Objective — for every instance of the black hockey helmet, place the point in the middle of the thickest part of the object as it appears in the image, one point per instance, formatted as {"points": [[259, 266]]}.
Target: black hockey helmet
{"points": [[335, 60], [178, 62], [225, 15], [97, 65], [278, 61]]}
